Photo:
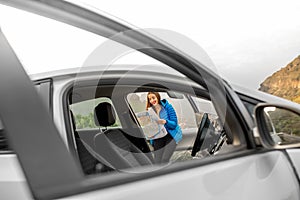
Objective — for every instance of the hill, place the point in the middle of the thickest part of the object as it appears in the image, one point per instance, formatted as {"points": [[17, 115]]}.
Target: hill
{"points": [[285, 82]]}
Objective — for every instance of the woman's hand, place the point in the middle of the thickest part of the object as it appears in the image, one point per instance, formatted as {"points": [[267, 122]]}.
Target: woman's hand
{"points": [[161, 121]]}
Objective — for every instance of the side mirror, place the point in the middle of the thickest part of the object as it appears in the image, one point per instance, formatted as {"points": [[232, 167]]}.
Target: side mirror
{"points": [[278, 125]]}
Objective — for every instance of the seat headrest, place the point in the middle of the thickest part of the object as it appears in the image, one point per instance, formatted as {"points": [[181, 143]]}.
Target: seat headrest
{"points": [[104, 114]]}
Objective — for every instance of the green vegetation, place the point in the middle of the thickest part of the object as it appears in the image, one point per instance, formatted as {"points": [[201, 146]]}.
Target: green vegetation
{"points": [[84, 113], [286, 122], [85, 121]]}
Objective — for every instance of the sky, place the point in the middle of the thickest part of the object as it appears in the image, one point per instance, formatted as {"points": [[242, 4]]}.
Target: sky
{"points": [[246, 40]]}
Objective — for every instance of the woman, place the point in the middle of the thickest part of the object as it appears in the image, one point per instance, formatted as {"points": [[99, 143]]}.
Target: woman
{"points": [[164, 144]]}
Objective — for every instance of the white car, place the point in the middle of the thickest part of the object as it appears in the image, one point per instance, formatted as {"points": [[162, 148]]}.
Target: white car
{"points": [[81, 133]]}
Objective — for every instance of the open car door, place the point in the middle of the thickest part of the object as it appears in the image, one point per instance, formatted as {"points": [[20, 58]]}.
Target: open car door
{"points": [[30, 129]]}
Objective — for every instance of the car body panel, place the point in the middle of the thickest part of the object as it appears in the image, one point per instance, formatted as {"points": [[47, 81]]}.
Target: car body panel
{"points": [[251, 177], [13, 183], [262, 97], [294, 155], [243, 177]]}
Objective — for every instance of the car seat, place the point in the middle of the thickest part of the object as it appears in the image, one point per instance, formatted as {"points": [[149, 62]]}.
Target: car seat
{"points": [[89, 163], [112, 144]]}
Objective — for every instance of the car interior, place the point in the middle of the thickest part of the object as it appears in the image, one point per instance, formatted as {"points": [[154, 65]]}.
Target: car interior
{"points": [[109, 135]]}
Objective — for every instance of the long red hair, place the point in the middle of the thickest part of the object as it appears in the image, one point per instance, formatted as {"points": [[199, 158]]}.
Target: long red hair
{"points": [[148, 101]]}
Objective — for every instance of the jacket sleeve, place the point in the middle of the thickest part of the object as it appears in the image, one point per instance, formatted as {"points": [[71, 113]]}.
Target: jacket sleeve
{"points": [[172, 117]]}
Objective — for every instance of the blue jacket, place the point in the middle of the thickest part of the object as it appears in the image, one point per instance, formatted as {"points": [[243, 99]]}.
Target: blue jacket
{"points": [[168, 113]]}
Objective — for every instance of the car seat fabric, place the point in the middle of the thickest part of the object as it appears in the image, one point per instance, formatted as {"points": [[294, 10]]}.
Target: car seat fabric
{"points": [[87, 161], [112, 144]]}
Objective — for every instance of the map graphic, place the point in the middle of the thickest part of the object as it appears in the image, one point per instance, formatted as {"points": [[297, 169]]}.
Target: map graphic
{"points": [[148, 121]]}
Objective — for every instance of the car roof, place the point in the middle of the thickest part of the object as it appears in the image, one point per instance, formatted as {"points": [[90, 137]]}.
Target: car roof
{"points": [[122, 68], [104, 68]]}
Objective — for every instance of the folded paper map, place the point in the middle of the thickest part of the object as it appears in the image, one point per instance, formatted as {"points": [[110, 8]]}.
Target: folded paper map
{"points": [[148, 121]]}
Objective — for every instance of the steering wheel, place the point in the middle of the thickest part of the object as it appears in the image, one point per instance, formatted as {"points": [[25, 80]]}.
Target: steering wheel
{"points": [[201, 134], [221, 139]]}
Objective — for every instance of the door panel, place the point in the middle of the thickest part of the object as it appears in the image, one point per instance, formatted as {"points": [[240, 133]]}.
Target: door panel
{"points": [[251, 177], [30, 130], [295, 157], [13, 183]]}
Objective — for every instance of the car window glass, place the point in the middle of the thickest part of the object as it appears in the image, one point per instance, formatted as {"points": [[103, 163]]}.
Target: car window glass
{"points": [[197, 132], [57, 44], [189, 120], [129, 145], [249, 103], [118, 142], [204, 105], [84, 113], [66, 47], [250, 107], [182, 107]]}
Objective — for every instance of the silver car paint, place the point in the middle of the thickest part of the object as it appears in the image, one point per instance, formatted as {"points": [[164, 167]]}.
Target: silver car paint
{"points": [[13, 183], [249, 177], [263, 176], [264, 165]]}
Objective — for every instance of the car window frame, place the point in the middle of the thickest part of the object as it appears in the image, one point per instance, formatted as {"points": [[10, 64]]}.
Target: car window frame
{"points": [[45, 92], [108, 81], [21, 87]]}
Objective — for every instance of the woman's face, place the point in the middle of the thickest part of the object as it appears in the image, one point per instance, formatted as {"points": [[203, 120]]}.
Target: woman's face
{"points": [[153, 99]]}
